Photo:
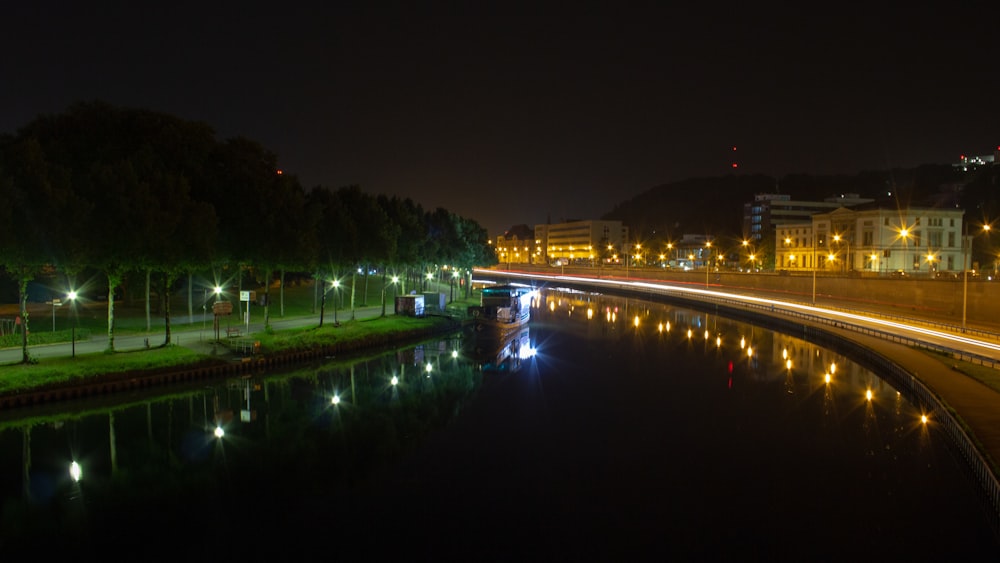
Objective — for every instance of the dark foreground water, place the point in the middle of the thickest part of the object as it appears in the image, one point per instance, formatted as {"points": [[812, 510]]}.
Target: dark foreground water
{"points": [[617, 431]]}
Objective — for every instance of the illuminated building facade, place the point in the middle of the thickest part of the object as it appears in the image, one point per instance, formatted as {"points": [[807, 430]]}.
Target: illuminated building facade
{"points": [[516, 245], [877, 240], [578, 242], [768, 212]]}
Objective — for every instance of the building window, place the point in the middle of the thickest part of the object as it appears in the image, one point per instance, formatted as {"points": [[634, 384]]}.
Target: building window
{"points": [[951, 240]]}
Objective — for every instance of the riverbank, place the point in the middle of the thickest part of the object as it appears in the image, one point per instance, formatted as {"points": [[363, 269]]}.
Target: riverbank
{"points": [[69, 375]]}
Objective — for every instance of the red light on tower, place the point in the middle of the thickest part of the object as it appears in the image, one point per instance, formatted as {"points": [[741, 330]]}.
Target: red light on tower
{"points": [[280, 172], [735, 164]]}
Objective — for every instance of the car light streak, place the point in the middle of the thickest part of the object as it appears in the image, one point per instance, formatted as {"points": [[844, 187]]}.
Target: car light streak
{"points": [[666, 288]]}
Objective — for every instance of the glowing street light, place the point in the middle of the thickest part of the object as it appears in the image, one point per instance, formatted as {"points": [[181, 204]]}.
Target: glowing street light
{"points": [[72, 301], [904, 234], [967, 247], [336, 300], [708, 257]]}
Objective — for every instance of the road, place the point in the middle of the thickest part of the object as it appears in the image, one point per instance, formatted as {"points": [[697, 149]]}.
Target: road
{"points": [[981, 343], [194, 335]]}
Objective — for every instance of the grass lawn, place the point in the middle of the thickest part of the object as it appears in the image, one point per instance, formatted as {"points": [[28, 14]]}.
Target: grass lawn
{"points": [[130, 318]]}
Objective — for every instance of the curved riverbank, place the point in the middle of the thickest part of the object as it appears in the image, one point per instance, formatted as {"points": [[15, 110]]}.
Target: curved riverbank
{"points": [[226, 359], [967, 410]]}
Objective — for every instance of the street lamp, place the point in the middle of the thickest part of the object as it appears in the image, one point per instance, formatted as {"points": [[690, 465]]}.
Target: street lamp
{"points": [[708, 245], [815, 267], [930, 262], [336, 300], [837, 239], [626, 260], [967, 247], [904, 233], [72, 302]]}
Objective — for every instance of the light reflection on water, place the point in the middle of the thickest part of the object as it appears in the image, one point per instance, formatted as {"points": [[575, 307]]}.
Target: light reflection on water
{"points": [[609, 426]]}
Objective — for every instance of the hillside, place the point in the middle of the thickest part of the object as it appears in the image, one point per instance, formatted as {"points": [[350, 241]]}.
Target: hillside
{"points": [[715, 205]]}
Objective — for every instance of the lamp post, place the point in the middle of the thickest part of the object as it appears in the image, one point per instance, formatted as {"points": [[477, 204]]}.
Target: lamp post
{"points": [[708, 257], [336, 301], [72, 302], [838, 239], [967, 247], [904, 233], [965, 270], [217, 290], [626, 260], [815, 266]]}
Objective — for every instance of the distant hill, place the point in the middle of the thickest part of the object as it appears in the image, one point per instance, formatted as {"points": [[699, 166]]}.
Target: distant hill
{"points": [[714, 205]]}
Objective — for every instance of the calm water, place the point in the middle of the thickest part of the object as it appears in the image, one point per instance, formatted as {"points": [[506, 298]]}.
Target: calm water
{"points": [[610, 430]]}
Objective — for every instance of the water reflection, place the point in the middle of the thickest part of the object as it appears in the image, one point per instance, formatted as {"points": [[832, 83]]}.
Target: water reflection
{"points": [[177, 457], [504, 354], [631, 415]]}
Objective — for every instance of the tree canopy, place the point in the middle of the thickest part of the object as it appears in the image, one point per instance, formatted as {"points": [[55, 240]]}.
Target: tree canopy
{"points": [[121, 191]]}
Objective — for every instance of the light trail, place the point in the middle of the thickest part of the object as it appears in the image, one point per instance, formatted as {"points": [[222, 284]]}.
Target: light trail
{"points": [[668, 287]]}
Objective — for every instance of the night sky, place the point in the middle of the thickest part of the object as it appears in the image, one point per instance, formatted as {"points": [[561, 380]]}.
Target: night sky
{"points": [[511, 116]]}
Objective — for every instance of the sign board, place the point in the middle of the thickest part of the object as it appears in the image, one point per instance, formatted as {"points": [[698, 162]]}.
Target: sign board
{"points": [[248, 296], [222, 308]]}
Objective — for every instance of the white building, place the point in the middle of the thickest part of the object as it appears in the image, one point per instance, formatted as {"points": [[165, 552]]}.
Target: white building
{"points": [[912, 241]]}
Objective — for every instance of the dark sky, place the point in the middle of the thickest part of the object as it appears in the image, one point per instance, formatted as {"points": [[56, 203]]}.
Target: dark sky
{"points": [[510, 116]]}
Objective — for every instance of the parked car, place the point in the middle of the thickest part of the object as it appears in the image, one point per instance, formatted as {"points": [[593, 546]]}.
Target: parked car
{"points": [[946, 275]]}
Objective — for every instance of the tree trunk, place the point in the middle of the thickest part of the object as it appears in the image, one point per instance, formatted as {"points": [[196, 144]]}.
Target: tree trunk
{"points": [[354, 284], [23, 299], [190, 298], [322, 306], [149, 275], [364, 298], [113, 281], [267, 298], [315, 290], [383, 292], [281, 296], [167, 282]]}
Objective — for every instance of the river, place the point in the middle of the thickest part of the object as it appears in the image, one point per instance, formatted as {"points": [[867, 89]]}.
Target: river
{"points": [[610, 428]]}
